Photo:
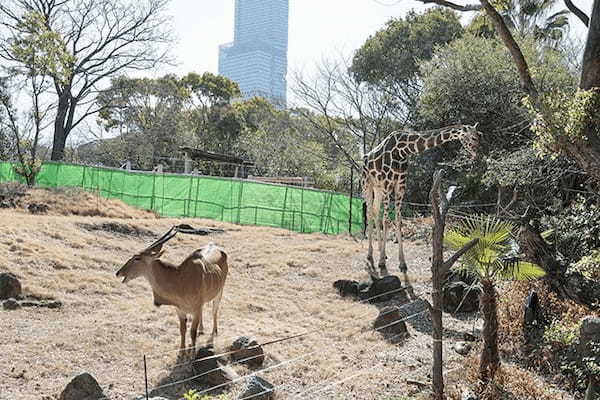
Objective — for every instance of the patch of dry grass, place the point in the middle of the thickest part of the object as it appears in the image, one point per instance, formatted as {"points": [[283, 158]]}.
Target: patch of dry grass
{"points": [[512, 382]]}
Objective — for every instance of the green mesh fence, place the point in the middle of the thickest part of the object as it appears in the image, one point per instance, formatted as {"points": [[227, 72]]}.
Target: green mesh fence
{"points": [[230, 200]]}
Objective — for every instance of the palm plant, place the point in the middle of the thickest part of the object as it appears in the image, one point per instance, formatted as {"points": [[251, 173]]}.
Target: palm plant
{"points": [[492, 259], [538, 18]]}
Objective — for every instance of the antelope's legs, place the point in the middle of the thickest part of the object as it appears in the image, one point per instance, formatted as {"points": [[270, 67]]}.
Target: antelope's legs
{"points": [[215, 311], [182, 328], [194, 331]]}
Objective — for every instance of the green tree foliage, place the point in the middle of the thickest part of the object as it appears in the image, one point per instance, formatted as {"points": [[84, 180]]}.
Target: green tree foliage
{"points": [[148, 115], [491, 260], [392, 54], [390, 58], [282, 143], [474, 80]]}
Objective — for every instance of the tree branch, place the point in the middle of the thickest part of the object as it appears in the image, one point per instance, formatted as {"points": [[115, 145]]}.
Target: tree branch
{"points": [[454, 6], [513, 48], [580, 14]]}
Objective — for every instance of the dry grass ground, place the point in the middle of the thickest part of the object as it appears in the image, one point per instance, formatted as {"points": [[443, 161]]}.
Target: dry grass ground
{"points": [[280, 284]]}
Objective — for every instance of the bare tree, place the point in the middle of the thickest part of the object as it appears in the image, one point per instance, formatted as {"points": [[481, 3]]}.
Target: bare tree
{"points": [[25, 128], [353, 115], [102, 38]]}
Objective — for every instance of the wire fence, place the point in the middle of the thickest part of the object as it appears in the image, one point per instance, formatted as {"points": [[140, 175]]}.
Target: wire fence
{"points": [[225, 199]]}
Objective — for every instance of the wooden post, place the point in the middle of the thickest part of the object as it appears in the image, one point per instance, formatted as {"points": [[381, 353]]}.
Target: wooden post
{"points": [[439, 269], [350, 207], [187, 163]]}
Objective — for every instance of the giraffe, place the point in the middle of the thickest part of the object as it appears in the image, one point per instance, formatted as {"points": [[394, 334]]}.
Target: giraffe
{"points": [[384, 173]]}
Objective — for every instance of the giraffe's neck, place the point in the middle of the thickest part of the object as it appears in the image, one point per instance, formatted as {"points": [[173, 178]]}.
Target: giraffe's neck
{"points": [[428, 139]]}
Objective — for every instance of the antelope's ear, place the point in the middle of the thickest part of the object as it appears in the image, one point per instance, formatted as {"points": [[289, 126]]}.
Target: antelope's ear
{"points": [[158, 254], [475, 126]]}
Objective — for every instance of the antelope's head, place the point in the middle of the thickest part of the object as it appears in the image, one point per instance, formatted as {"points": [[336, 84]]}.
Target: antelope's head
{"points": [[137, 265], [470, 138]]}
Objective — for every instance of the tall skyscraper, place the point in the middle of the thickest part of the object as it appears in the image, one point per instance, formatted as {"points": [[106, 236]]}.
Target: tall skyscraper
{"points": [[257, 57]]}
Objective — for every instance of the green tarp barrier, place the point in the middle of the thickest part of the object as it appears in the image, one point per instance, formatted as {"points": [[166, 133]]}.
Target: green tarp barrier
{"points": [[231, 200]]}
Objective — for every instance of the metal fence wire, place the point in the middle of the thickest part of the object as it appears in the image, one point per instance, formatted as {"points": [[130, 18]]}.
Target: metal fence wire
{"points": [[232, 200]]}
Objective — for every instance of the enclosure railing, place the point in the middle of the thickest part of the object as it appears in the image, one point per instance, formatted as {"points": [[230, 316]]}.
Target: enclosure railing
{"points": [[225, 199]]}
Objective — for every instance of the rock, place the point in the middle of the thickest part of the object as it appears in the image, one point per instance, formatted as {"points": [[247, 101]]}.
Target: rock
{"points": [[455, 292], [589, 334], [42, 303], [257, 388], [35, 208], [82, 387], [346, 288], [11, 304], [390, 322], [462, 348], [211, 371], [247, 351], [468, 395], [53, 304], [590, 329], [9, 286], [384, 289], [417, 314]]}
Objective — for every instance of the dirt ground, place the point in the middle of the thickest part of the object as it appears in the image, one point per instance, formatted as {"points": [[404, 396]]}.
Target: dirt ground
{"points": [[280, 284]]}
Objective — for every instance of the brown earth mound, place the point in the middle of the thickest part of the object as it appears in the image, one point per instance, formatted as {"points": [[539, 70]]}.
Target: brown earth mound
{"points": [[65, 201]]}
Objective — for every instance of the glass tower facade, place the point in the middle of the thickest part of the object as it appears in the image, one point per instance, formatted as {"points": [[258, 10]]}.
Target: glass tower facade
{"points": [[257, 57]]}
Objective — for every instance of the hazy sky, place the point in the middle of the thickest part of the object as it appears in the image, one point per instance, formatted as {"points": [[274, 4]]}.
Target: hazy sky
{"points": [[317, 28]]}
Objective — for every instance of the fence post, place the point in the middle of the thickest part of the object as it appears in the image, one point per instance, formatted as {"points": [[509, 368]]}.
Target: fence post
{"points": [[284, 204], [196, 199], [302, 210], [146, 376], [350, 207]]}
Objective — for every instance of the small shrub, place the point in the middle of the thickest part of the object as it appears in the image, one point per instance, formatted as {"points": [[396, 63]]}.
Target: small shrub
{"points": [[560, 334], [192, 394]]}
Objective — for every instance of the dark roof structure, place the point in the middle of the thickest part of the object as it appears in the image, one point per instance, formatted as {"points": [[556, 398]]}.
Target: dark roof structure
{"points": [[201, 155]]}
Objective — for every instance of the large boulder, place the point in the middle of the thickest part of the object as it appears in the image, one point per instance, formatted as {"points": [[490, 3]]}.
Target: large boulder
{"points": [[257, 388], [390, 322], [460, 297], [346, 288], [9, 286], [384, 289], [82, 387], [210, 369], [247, 351]]}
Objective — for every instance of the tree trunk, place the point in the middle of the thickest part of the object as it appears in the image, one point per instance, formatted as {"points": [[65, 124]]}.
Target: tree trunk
{"points": [[490, 360], [590, 71], [60, 132], [587, 153]]}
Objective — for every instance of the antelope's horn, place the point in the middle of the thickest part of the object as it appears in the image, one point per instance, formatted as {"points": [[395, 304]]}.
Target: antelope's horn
{"points": [[157, 245]]}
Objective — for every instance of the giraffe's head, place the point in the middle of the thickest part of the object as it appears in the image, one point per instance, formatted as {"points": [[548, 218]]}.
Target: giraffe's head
{"points": [[470, 137]]}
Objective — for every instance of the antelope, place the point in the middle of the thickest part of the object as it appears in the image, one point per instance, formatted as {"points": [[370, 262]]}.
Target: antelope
{"points": [[188, 286]]}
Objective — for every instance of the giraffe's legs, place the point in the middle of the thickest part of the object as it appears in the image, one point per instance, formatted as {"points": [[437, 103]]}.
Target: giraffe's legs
{"points": [[401, 261], [368, 196], [398, 208], [384, 233]]}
